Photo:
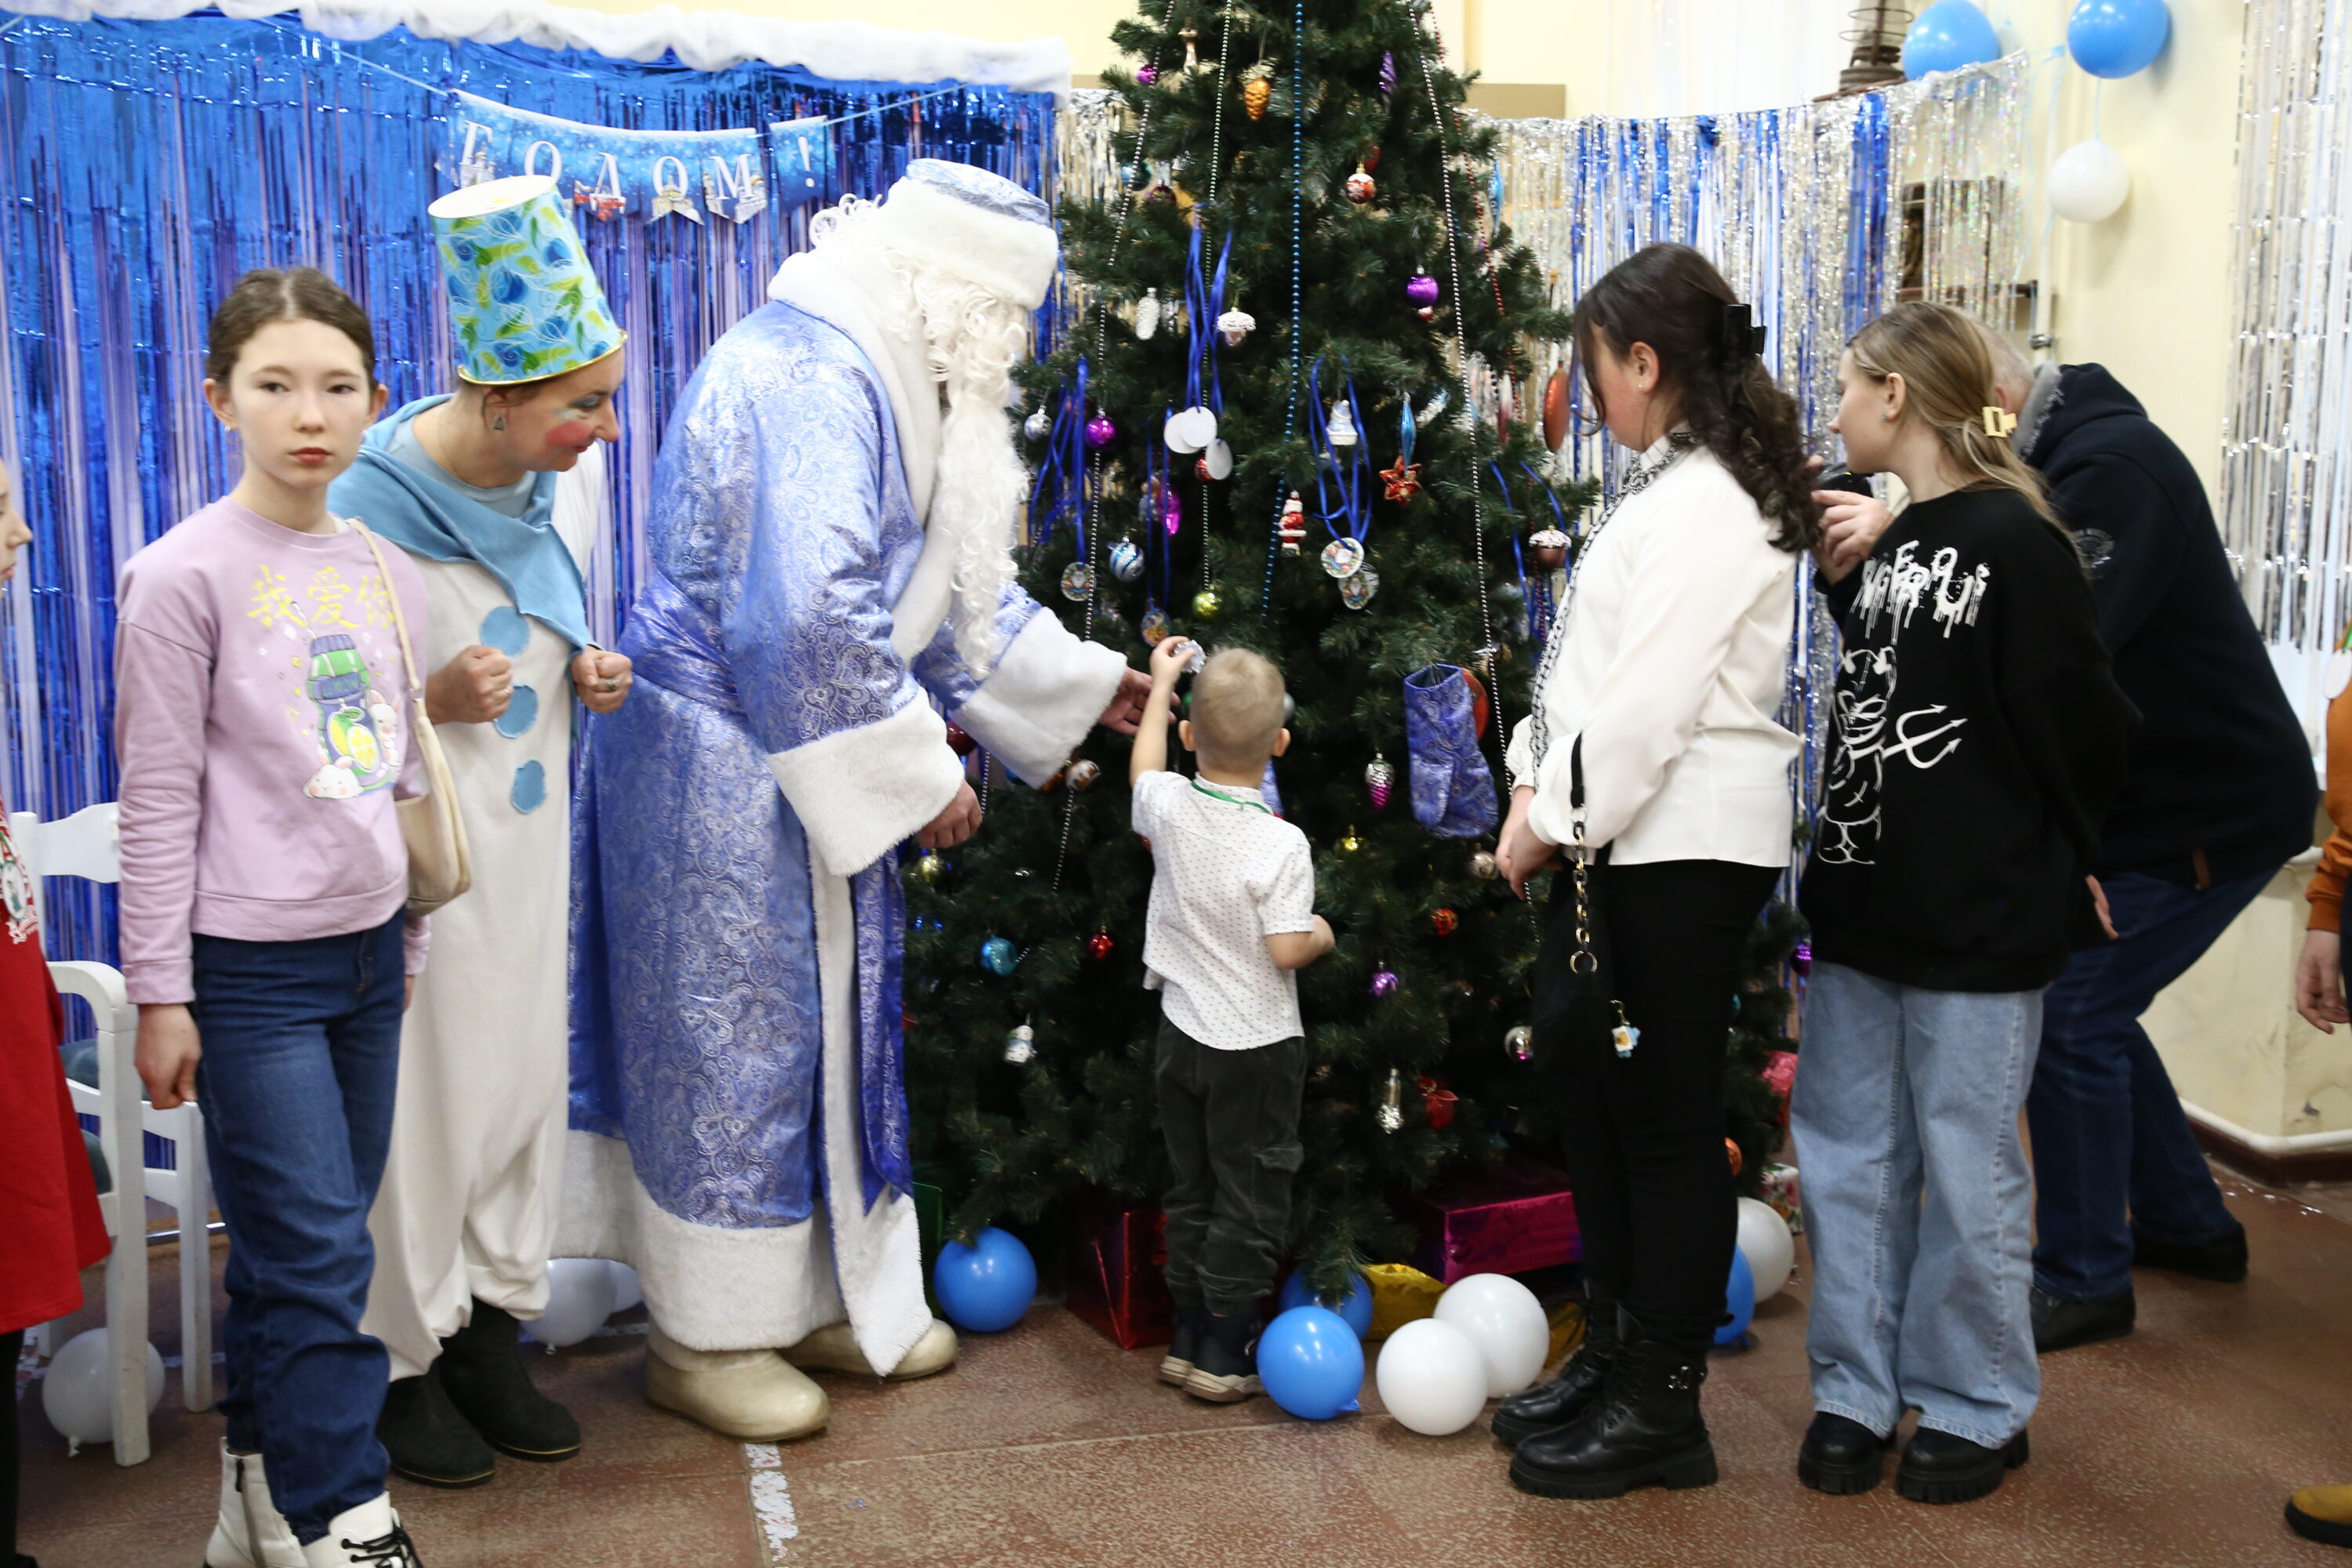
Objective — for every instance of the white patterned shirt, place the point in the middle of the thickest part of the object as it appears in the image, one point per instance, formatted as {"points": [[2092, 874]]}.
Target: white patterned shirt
{"points": [[1226, 874]]}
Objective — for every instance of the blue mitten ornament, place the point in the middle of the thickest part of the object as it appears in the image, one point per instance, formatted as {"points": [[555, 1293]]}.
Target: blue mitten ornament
{"points": [[1452, 788]]}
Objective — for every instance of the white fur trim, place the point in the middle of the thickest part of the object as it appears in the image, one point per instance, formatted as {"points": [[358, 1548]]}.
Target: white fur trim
{"points": [[1042, 698], [860, 791], [1010, 257]]}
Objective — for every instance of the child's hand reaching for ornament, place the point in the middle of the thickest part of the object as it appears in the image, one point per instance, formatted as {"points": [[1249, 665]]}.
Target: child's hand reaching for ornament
{"points": [[1169, 660]]}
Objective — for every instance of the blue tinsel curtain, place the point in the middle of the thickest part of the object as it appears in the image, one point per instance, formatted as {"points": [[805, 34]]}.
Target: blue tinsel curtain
{"points": [[147, 165]]}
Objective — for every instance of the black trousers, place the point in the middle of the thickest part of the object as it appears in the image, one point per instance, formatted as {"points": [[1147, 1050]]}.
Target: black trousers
{"points": [[1230, 1119], [1642, 1136], [12, 1344]]}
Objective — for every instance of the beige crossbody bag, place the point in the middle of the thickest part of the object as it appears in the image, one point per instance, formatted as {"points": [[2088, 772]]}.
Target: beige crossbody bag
{"points": [[440, 863]]}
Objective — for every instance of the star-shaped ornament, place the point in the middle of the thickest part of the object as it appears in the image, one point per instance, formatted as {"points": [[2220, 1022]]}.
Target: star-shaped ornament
{"points": [[1403, 480]]}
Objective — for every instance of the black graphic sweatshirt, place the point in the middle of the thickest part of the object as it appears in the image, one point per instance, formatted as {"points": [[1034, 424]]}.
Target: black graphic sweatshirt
{"points": [[1981, 737]]}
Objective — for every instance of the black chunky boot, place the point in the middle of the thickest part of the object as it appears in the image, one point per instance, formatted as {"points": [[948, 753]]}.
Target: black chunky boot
{"points": [[427, 1440], [1549, 1406], [1938, 1466], [1840, 1456], [1224, 1368], [1645, 1429], [481, 1366], [1183, 1346]]}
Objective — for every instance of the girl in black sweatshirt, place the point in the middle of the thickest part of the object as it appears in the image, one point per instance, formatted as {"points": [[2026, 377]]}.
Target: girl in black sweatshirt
{"points": [[1980, 738]]}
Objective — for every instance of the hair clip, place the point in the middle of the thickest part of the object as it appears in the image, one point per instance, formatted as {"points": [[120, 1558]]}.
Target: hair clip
{"points": [[1999, 422], [1742, 338]]}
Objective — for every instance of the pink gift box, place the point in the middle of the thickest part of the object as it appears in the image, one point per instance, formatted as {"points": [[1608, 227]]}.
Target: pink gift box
{"points": [[1519, 1219]]}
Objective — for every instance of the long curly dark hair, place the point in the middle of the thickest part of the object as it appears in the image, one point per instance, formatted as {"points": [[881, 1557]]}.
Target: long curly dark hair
{"points": [[1672, 298]]}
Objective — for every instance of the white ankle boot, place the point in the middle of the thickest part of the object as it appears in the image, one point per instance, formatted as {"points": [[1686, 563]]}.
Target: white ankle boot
{"points": [[755, 1397], [368, 1536], [834, 1349], [251, 1533]]}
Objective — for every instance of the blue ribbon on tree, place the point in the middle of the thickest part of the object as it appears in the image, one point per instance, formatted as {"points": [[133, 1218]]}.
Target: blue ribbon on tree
{"points": [[1349, 475], [1205, 301]]}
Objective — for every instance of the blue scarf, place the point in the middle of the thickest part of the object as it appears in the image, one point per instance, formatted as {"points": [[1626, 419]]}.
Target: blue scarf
{"points": [[426, 516]]}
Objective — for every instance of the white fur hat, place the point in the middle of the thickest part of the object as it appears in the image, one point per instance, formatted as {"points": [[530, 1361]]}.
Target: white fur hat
{"points": [[979, 227]]}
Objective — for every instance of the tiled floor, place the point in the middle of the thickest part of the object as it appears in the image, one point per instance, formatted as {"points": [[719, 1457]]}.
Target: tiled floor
{"points": [[1049, 1445]]}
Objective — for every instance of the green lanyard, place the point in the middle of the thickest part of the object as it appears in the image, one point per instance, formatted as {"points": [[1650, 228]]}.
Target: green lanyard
{"points": [[1229, 800]]}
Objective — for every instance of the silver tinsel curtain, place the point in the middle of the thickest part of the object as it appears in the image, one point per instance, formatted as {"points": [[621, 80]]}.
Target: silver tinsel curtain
{"points": [[2286, 475]]}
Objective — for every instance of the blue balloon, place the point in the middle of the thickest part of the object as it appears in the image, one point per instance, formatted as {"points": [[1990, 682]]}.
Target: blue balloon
{"points": [[1948, 34], [1738, 1300], [986, 1286], [1311, 1363], [1355, 1312], [2117, 37]]}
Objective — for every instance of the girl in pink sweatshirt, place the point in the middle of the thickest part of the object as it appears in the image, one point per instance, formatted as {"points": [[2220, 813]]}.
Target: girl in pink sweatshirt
{"points": [[263, 732]]}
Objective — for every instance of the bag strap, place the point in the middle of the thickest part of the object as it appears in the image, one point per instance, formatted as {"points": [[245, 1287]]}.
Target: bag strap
{"points": [[408, 653]]}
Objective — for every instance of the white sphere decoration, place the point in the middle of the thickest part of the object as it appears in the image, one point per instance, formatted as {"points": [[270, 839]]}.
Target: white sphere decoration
{"points": [[1432, 1378], [579, 1300], [1765, 1242], [1504, 1321], [77, 1391], [2089, 183]]}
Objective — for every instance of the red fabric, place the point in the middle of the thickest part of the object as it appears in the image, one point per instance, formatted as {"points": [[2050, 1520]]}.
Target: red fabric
{"points": [[50, 1228]]}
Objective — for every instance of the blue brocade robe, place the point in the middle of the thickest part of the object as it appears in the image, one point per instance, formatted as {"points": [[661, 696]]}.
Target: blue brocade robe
{"points": [[738, 1111]]}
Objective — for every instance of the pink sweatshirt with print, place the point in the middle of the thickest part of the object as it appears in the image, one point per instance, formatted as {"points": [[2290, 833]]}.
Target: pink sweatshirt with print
{"points": [[261, 726]]}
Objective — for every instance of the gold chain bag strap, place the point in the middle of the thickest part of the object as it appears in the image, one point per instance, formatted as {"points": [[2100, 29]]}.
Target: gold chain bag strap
{"points": [[1576, 983], [440, 862]]}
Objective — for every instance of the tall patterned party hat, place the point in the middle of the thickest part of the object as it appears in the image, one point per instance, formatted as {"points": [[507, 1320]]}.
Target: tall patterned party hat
{"points": [[523, 305]]}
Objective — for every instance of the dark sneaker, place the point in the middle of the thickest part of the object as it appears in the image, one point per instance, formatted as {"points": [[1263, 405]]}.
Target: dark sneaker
{"points": [[481, 1366], [1840, 1456], [2221, 1259], [428, 1439], [1940, 1467], [1224, 1368], [2059, 1325], [1183, 1346]]}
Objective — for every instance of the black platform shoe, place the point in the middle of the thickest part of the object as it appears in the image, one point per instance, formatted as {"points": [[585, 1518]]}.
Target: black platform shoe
{"points": [[481, 1366], [2221, 1259], [1549, 1406], [1643, 1430], [1183, 1346], [2059, 1325], [1840, 1456], [1940, 1467], [428, 1439]]}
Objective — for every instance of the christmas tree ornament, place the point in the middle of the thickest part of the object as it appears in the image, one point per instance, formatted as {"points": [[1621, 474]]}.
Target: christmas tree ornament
{"points": [[1292, 531], [996, 956], [1390, 1114], [1083, 775], [1434, 406], [1126, 561], [1421, 291], [1360, 187], [1468, 990], [1482, 866], [1038, 426], [1349, 843], [1548, 547], [1445, 922], [1077, 582], [1171, 509], [1236, 326], [1100, 431], [1438, 1103], [1519, 1043], [1357, 591], [1343, 558], [1147, 73], [1154, 626], [1403, 479], [1556, 414], [1190, 429], [1217, 461], [1099, 946], [1205, 604], [1342, 426], [1257, 89], [1730, 1147], [1388, 79], [1147, 316], [1453, 789], [1192, 37], [1802, 960], [959, 740], [1019, 1045], [930, 867], [1379, 777]]}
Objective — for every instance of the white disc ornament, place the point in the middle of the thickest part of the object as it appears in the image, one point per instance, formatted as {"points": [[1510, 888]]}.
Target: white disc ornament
{"points": [[1432, 1377], [1343, 558], [1217, 460], [2089, 183], [1077, 582], [1190, 429], [1357, 591], [1126, 561], [1504, 1321], [1765, 1242]]}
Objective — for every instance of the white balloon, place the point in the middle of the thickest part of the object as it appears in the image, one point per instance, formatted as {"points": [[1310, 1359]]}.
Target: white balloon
{"points": [[1765, 1241], [626, 1291], [579, 1300], [1432, 1378], [1504, 1321], [2089, 182], [77, 1391]]}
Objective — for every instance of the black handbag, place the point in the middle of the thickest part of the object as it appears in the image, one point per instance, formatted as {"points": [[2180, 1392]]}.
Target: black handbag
{"points": [[1576, 1009]]}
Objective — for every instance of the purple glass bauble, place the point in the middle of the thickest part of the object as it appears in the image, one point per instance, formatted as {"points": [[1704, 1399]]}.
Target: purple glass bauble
{"points": [[1100, 432], [1801, 961], [1420, 291], [1384, 982], [1147, 74]]}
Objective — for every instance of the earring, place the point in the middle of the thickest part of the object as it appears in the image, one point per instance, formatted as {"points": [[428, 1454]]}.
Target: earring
{"points": [[1887, 416], [501, 422]]}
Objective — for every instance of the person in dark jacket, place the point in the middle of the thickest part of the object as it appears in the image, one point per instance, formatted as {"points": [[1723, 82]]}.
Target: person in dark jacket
{"points": [[2221, 794]]}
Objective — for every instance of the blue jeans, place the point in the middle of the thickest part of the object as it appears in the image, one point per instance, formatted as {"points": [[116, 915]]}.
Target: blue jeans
{"points": [[2113, 1153], [301, 1049], [1917, 1202]]}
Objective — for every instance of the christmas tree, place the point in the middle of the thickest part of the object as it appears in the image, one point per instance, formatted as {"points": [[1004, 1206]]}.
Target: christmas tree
{"points": [[1280, 417]]}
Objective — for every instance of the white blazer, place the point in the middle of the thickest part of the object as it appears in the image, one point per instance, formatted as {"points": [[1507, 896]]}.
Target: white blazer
{"points": [[1670, 664]]}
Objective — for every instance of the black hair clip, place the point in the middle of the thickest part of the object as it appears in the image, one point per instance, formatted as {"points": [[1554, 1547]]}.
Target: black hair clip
{"points": [[1742, 338]]}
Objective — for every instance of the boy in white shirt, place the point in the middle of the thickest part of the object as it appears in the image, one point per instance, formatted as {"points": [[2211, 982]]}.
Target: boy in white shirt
{"points": [[1233, 914]]}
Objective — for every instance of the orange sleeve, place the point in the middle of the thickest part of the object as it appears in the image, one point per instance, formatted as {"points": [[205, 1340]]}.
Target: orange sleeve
{"points": [[2326, 894]]}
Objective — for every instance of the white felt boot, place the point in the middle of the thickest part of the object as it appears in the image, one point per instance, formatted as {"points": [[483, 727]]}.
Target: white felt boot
{"points": [[755, 1395], [368, 1536], [250, 1531], [834, 1349]]}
